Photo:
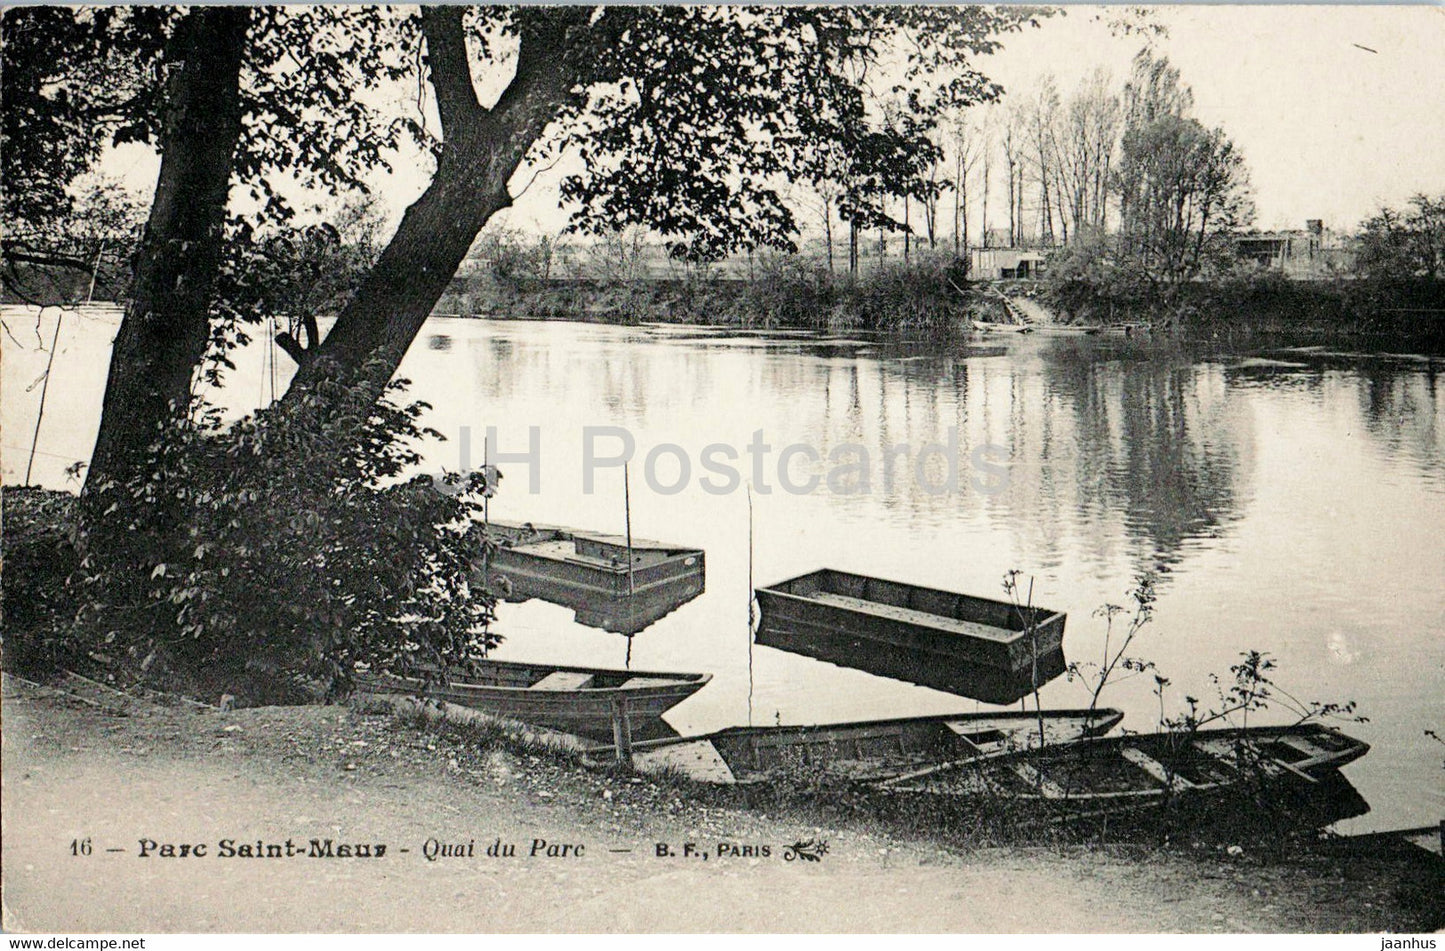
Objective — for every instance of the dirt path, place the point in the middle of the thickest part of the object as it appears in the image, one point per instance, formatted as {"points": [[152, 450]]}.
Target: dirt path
{"points": [[72, 771]]}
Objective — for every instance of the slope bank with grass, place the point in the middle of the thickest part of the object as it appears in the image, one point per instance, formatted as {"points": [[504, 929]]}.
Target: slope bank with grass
{"points": [[77, 770]]}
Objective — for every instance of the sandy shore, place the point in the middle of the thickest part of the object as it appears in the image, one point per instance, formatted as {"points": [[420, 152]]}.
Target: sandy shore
{"points": [[226, 781]]}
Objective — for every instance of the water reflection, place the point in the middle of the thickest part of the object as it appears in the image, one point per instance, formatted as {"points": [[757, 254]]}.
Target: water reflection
{"points": [[614, 584], [985, 684]]}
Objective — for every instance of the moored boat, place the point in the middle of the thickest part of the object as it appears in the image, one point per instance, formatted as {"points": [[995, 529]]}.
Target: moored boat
{"points": [[587, 701], [865, 750], [846, 618], [1115, 775], [1421, 843], [609, 583]]}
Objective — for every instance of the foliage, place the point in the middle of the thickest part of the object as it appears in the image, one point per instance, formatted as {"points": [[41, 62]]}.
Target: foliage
{"points": [[514, 256], [618, 256], [77, 79], [39, 555], [697, 114], [786, 291], [73, 78], [291, 273], [82, 245], [1090, 274], [295, 573], [1252, 689], [1115, 657], [1085, 150], [1181, 189], [1398, 245], [1180, 186]]}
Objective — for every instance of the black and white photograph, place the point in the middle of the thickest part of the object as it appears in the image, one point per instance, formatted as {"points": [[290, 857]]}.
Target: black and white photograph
{"points": [[695, 469]]}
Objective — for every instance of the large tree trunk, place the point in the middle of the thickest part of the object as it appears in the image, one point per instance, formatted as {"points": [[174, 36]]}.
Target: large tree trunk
{"points": [[483, 148], [163, 335]]}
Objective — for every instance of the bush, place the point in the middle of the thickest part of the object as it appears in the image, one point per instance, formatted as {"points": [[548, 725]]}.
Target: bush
{"points": [[39, 556], [268, 559]]}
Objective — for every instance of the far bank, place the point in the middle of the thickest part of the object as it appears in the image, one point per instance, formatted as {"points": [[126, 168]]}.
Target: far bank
{"points": [[938, 301]]}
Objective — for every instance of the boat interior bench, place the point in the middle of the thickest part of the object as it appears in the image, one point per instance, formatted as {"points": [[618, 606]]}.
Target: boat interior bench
{"points": [[913, 616], [563, 680], [634, 683]]}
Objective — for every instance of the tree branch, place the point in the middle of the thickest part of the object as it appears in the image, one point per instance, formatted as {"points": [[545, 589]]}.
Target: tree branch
{"points": [[293, 348], [45, 260], [451, 75]]}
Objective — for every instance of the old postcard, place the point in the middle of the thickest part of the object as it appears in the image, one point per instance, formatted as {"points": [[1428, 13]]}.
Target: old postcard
{"points": [[708, 469]]}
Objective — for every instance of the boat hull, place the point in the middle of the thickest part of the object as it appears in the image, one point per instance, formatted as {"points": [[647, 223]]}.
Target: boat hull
{"points": [[867, 750], [522, 692], [590, 574], [1284, 773], [973, 646]]}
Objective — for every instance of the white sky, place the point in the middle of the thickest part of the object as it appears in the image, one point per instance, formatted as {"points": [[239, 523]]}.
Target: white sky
{"points": [[1329, 130]]}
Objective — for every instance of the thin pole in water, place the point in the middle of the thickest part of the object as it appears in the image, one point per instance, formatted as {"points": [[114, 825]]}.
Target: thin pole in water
{"points": [[95, 273], [627, 509], [1034, 644], [750, 604], [44, 388]]}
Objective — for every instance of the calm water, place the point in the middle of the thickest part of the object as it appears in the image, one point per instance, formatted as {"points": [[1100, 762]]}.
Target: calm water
{"points": [[1292, 501]]}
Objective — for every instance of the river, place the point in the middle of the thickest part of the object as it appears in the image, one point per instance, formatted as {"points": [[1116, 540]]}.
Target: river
{"points": [[1288, 499]]}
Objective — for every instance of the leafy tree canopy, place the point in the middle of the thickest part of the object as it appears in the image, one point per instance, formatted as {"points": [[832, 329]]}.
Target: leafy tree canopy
{"points": [[1404, 244], [689, 120]]}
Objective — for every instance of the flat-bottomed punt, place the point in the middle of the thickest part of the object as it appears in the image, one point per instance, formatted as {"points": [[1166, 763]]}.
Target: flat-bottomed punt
{"points": [[590, 573], [1286, 766], [1420, 844], [951, 639], [586, 701], [866, 750]]}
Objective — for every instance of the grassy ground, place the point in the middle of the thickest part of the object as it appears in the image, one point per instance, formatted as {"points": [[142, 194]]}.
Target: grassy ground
{"points": [[119, 772]]}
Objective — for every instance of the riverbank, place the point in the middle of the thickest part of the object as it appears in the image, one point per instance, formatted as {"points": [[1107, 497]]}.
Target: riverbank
{"points": [[79, 772], [907, 302], [1263, 304], [931, 301]]}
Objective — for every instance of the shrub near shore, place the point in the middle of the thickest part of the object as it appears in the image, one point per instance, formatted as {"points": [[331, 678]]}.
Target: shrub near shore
{"points": [[927, 297], [1259, 302], [935, 300]]}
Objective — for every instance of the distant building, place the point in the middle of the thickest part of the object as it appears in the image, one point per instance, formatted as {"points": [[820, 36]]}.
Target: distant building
{"points": [[994, 264], [1314, 252]]}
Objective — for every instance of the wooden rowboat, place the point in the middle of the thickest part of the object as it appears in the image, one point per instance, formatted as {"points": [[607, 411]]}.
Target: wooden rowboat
{"points": [[1421, 844], [867, 750], [1114, 775], [592, 574], [587, 701], [856, 620]]}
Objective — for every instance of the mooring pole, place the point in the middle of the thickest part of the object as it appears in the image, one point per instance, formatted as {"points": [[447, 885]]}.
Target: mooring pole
{"points": [[750, 604], [95, 273], [627, 507], [621, 730], [44, 388], [1034, 645]]}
